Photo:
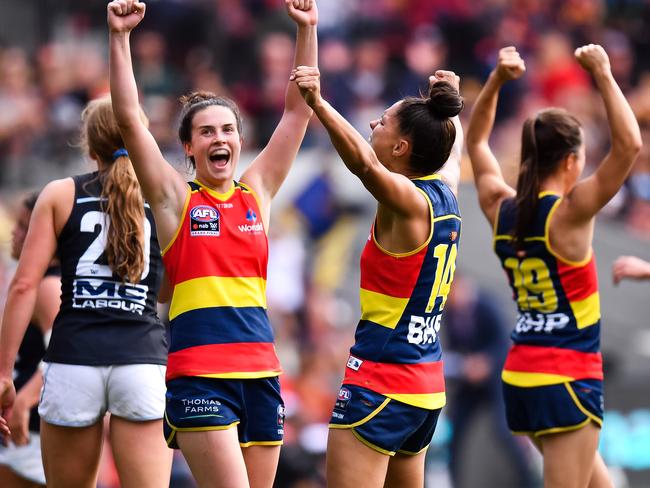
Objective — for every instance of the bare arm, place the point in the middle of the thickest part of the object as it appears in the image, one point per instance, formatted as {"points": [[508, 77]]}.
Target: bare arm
{"points": [[47, 306], [37, 253], [48, 302], [630, 267], [491, 186], [450, 172], [163, 187], [27, 397], [591, 194], [267, 172], [392, 190]]}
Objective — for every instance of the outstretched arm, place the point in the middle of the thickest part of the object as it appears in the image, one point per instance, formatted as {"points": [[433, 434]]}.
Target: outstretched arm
{"points": [[630, 267], [590, 195], [267, 172], [491, 186], [163, 187], [392, 190]]}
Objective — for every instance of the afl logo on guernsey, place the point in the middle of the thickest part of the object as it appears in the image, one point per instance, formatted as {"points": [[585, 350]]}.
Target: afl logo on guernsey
{"points": [[204, 221]]}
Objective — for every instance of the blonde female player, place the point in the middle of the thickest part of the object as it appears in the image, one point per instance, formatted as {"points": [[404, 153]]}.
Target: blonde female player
{"points": [[552, 378], [108, 348]]}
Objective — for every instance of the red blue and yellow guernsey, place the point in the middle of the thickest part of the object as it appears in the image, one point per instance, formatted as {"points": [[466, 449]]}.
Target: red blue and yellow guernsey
{"points": [[216, 264], [397, 350], [557, 336]]}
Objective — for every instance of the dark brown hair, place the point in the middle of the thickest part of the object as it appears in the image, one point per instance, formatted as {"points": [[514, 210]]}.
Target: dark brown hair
{"points": [[427, 122], [195, 102], [122, 199], [546, 140], [29, 202]]}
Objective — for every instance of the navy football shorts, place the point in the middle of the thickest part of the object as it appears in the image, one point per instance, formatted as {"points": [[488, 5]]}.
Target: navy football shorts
{"points": [[254, 406], [551, 409], [385, 425]]}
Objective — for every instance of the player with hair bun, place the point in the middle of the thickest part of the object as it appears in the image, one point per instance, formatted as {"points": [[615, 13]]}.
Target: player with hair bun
{"points": [[393, 390]]}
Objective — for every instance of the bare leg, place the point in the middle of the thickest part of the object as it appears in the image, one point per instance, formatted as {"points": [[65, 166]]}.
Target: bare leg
{"points": [[215, 458], [261, 465], [71, 455], [600, 476], [405, 471], [352, 464], [570, 458], [141, 455], [11, 479]]}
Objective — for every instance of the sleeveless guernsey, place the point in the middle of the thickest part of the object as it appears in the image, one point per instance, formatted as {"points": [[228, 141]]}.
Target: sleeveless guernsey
{"points": [[557, 336], [104, 321], [397, 350], [216, 264]]}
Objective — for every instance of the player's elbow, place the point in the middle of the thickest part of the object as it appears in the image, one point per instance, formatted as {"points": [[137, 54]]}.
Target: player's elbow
{"points": [[363, 163], [22, 285], [635, 145]]}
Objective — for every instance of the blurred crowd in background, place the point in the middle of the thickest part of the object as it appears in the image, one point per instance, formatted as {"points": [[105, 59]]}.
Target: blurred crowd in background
{"points": [[372, 52]]}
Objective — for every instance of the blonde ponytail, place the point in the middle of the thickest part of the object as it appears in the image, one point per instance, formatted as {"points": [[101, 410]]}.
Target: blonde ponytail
{"points": [[124, 205], [121, 196]]}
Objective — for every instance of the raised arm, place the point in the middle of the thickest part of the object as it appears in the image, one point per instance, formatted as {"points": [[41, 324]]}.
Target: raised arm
{"points": [[591, 194], [163, 187], [450, 172], [392, 190], [38, 250], [491, 186], [267, 172]]}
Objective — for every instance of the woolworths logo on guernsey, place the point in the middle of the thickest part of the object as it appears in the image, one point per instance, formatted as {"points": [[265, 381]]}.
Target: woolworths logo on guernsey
{"points": [[251, 227]]}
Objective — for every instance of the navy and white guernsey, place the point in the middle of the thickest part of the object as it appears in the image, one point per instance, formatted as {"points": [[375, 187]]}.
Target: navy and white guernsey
{"points": [[104, 321]]}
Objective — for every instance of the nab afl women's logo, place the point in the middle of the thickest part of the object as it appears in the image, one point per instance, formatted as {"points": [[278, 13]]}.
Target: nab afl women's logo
{"points": [[204, 221]]}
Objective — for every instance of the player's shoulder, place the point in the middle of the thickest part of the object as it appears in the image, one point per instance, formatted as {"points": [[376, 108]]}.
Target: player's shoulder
{"points": [[57, 189]]}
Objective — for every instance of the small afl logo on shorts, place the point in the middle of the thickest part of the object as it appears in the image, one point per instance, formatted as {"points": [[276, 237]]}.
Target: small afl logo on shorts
{"points": [[342, 399], [354, 363], [344, 394], [281, 415], [204, 221]]}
